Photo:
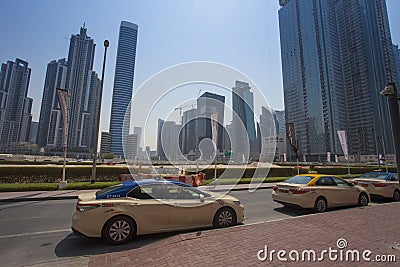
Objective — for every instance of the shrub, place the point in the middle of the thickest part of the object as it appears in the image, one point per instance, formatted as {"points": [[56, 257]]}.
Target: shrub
{"points": [[53, 173]]}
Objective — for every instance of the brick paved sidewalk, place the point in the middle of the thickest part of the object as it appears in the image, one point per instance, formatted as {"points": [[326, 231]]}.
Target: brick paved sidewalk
{"points": [[374, 228]]}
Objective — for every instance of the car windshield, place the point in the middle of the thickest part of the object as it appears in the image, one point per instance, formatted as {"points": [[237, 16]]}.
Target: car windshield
{"points": [[299, 180], [109, 189], [374, 175]]}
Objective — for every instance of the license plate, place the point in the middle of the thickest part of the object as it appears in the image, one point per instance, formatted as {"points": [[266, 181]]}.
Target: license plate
{"points": [[285, 191]]}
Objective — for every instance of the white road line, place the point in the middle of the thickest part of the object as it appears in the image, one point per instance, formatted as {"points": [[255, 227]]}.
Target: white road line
{"points": [[36, 233], [25, 218]]}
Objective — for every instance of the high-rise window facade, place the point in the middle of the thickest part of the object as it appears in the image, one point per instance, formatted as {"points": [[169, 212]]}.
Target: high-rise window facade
{"points": [[336, 58], [15, 106], [312, 78], [50, 130], [123, 86], [368, 64], [79, 75]]}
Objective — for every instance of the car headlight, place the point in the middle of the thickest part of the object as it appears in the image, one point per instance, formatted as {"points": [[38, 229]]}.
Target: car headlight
{"points": [[237, 202], [86, 207]]}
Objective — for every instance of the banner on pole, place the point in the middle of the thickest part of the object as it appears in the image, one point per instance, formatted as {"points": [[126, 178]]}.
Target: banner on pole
{"points": [[214, 129], [63, 100], [343, 142], [328, 157], [291, 135]]}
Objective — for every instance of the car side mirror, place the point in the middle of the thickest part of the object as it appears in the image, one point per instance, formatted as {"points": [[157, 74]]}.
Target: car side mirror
{"points": [[201, 198]]}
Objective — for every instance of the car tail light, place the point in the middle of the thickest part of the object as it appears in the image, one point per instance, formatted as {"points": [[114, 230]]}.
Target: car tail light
{"points": [[380, 184], [300, 190], [86, 207], [354, 182], [275, 188]]}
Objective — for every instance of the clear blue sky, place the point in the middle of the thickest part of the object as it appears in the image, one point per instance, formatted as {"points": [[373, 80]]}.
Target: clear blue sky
{"points": [[243, 34]]}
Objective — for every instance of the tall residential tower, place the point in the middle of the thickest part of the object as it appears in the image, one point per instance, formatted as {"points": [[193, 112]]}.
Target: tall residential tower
{"points": [[312, 75], [15, 106], [123, 86]]}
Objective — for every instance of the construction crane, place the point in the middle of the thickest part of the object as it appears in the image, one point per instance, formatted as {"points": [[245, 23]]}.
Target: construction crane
{"points": [[182, 107]]}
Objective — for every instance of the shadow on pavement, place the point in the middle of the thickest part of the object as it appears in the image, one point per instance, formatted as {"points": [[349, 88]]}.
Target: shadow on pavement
{"points": [[293, 211], [74, 246]]}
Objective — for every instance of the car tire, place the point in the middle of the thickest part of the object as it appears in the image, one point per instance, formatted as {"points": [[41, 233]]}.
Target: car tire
{"points": [[320, 205], [363, 200], [224, 217], [396, 195], [119, 230]]}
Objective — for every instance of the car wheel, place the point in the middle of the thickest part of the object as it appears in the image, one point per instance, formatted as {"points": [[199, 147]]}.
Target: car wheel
{"points": [[396, 195], [119, 230], [320, 205], [224, 217], [363, 200]]}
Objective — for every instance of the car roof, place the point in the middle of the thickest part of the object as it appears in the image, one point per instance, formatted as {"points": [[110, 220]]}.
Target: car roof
{"points": [[132, 183]]}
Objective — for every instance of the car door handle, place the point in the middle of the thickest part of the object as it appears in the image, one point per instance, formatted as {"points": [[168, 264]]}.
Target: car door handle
{"points": [[134, 204]]}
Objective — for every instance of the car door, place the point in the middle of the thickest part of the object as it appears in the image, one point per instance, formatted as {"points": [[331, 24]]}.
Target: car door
{"points": [[150, 210], [326, 187], [186, 208], [348, 194]]}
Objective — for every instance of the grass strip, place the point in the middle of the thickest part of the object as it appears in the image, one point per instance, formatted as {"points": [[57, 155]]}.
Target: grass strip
{"points": [[53, 186]]}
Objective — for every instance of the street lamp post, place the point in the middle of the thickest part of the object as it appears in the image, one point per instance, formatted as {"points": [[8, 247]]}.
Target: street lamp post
{"points": [[392, 95], [96, 138]]}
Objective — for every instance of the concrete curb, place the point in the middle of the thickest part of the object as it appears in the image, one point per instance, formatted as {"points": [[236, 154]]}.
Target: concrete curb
{"points": [[23, 199]]}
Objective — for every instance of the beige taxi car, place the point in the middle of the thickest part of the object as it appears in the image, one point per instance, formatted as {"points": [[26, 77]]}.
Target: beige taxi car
{"points": [[382, 184], [319, 192], [120, 212]]}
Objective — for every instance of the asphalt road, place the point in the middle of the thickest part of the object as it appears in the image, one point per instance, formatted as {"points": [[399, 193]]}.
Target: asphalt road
{"points": [[38, 232]]}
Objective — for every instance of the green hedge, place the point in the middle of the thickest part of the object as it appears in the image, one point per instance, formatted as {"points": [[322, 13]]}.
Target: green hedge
{"points": [[353, 170], [249, 172], [283, 171], [53, 173]]}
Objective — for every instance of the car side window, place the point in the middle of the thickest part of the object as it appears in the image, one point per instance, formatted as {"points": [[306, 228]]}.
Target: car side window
{"points": [[140, 192], [182, 192], [325, 181], [340, 182], [394, 177]]}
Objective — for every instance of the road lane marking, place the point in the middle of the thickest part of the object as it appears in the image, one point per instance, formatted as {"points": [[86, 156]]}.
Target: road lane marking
{"points": [[24, 218], [36, 233]]}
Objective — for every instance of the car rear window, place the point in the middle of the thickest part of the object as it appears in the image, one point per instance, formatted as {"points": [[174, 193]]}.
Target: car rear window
{"points": [[299, 180], [373, 175], [109, 189]]}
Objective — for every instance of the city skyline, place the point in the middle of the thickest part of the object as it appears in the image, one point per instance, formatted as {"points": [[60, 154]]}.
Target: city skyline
{"points": [[105, 113], [265, 72]]}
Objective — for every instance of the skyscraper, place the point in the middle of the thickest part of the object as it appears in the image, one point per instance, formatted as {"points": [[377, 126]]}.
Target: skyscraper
{"points": [[368, 65], [105, 144], [123, 86], [312, 75], [243, 120], [209, 104], [50, 130], [396, 55], [168, 140], [79, 83], [188, 138], [15, 106], [160, 148]]}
